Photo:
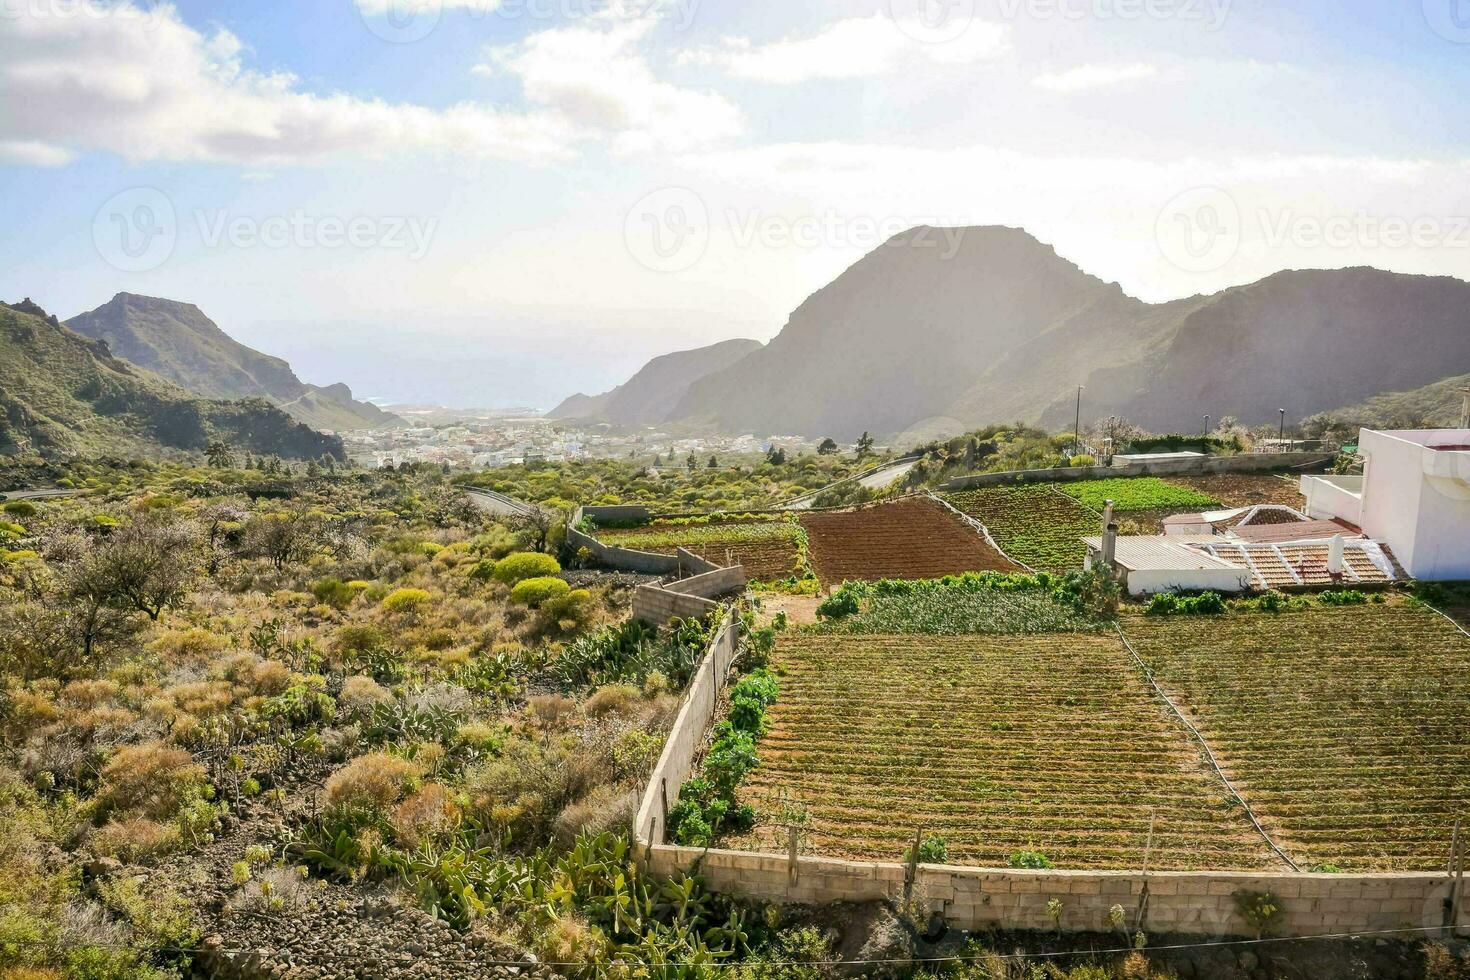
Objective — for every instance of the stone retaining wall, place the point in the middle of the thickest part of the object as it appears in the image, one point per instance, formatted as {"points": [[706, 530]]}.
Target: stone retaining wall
{"points": [[696, 715], [1193, 466], [1198, 903]]}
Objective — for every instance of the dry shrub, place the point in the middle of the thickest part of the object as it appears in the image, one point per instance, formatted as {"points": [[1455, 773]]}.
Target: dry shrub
{"points": [[572, 939], [152, 780], [1442, 964], [551, 711], [134, 840], [276, 890], [88, 694], [612, 699], [607, 808], [30, 973], [269, 677], [373, 781], [428, 815], [203, 699], [532, 782], [192, 646], [360, 693]]}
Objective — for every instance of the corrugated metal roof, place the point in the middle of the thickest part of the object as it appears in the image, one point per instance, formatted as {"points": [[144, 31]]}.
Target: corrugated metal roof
{"points": [[1160, 554]]}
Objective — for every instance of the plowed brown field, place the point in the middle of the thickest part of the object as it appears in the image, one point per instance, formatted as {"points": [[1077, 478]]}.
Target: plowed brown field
{"points": [[767, 549], [912, 538]]}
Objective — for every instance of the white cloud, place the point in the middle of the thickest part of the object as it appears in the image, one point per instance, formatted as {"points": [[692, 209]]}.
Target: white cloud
{"points": [[593, 75], [34, 153], [857, 47], [413, 8], [1086, 77], [153, 88]]}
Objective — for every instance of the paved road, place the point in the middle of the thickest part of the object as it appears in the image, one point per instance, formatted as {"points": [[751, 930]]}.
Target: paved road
{"points": [[10, 495], [884, 476], [497, 503], [888, 477]]}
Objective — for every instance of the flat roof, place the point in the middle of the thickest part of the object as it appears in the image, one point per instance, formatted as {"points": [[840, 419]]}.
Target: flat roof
{"points": [[1158, 553]]}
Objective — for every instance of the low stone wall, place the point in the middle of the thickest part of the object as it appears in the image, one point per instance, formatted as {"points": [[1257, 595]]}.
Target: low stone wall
{"points": [[1198, 903], [657, 605], [712, 584], [617, 513], [696, 715], [624, 559], [1195, 466]]}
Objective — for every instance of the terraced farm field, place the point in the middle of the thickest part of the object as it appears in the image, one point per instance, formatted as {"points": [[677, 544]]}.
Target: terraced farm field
{"points": [[1033, 524], [1136, 494], [915, 537], [1244, 489], [1345, 728], [1052, 744], [769, 549]]}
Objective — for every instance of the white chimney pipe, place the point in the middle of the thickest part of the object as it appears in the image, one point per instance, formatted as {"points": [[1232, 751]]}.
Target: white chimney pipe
{"points": [[1107, 515], [1335, 555], [1110, 546]]}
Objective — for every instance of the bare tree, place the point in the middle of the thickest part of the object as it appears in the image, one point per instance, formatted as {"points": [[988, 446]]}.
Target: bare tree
{"points": [[537, 524]]}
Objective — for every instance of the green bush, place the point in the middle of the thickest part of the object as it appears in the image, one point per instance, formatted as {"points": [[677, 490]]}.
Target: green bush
{"points": [[21, 509], [1030, 860], [406, 600], [534, 591], [522, 565], [1345, 597], [1172, 604], [333, 592], [932, 850], [846, 601]]}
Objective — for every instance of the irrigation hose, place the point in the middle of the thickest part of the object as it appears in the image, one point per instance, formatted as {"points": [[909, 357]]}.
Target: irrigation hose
{"points": [[1209, 753]]}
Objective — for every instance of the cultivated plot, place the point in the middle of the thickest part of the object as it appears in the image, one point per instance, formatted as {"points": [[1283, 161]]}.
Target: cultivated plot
{"points": [[1001, 745], [915, 537], [1346, 729], [1034, 524], [769, 549]]}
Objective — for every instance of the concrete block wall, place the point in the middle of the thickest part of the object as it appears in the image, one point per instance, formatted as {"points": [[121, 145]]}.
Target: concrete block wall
{"points": [[1197, 903], [711, 584], [696, 715], [616, 513], [657, 605], [1195, 466]]}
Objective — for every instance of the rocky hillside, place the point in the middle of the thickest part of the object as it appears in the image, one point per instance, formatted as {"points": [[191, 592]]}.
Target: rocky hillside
{"points": [[651, 395], [922, 337], [178, 342], [1436, 406], [62, 394]]}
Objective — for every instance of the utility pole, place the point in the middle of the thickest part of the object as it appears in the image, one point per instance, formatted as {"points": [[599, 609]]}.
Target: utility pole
{"points": [[1465, 409], [1204, 440], [1281, 441], [1077, 426]]}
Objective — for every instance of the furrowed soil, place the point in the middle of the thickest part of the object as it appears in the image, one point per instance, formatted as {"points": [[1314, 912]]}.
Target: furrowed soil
{"points": [[767, 549], [999, 745], [1344, 728], [912, 538]]}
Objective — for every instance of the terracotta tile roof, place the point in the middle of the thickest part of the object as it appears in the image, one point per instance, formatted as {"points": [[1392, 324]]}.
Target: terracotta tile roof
{"points": [[1295, 531]]}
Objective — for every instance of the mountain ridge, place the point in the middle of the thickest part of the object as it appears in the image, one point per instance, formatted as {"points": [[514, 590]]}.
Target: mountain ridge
{"points": [[651, 394], [62, 393], [1006, 329], [178, 342]]}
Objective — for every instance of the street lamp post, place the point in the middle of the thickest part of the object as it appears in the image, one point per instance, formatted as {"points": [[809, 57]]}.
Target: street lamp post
{"points": [[1204, 439], [1077, 425], [1281, 439]]}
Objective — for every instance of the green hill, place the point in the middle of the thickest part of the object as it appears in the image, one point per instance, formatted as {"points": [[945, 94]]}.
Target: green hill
{"points": [[1435, 406], [179, 343], [63, 394]]}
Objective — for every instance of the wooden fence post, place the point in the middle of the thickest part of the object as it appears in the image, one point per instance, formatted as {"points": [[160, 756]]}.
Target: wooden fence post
{"points": [[1452, 899], [1457, 897], [663, 789], [1148, 849], [793, 864], [911, 872]]}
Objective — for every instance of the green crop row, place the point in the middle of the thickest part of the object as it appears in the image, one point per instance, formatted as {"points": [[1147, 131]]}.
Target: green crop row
{"points": [[1136, 493]]}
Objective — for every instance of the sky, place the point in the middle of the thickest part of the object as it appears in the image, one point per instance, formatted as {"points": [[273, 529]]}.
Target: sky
{"points": [[500, 202]]}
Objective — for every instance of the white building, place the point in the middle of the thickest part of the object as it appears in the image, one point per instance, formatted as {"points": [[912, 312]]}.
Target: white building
{"points": [[1152, 564], [1414, 495]]}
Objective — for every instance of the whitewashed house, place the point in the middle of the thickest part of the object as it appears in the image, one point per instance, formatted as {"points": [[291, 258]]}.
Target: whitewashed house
{"points": [[1414, 496]]}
